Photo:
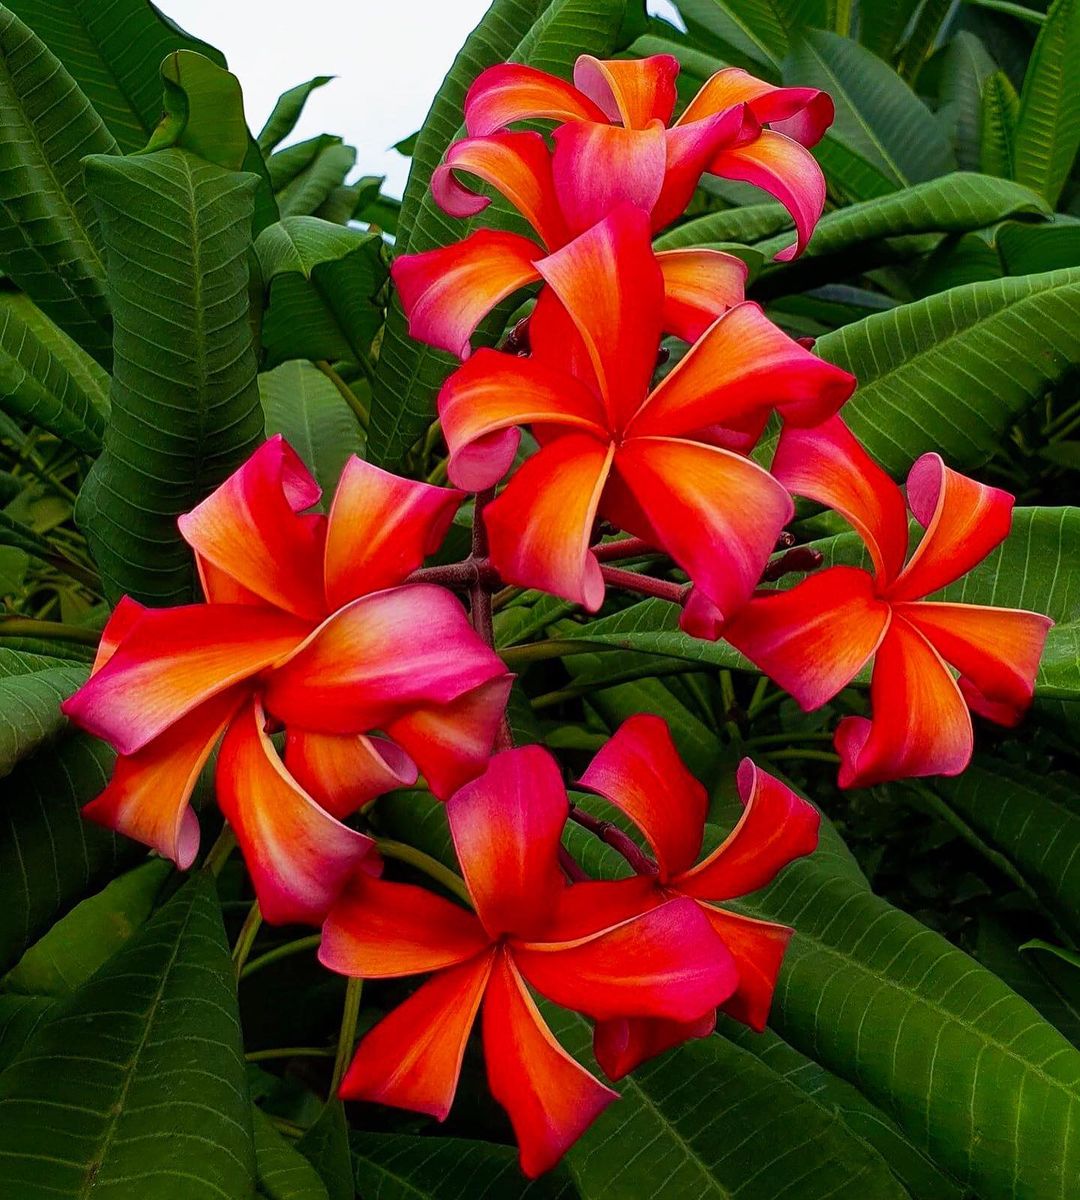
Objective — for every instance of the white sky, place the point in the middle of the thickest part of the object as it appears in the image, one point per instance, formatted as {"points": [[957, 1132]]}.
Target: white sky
{"points": [[382, 90]]}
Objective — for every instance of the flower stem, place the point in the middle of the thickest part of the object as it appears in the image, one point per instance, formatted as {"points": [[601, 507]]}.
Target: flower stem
{"points": [[279, 952], [794, 755], [219, 852], [648, 671], [516, 657], [289, 1052], [646, 585], [245, 939], [359, 409], [572, 869], [788, 739], [630, 547], [611, 835], [431, 867], [480, 607], [353, 991], [52, 630]]}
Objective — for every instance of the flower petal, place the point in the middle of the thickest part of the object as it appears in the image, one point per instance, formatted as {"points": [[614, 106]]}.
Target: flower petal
{"points": [[690, 151], [540, 526], [964, 520], [621, 1045], [921, 725], [814, 638], [667, 962], [517, 165], [412, 1058], [634, 91], [550, 1098], [827, 464], [639, 771], [506, 826], [699, 286], [118, 626], [251, 528], [448, 291], [718, 515], [785, 169], [775, 828], [758, 950], [801, 113], [610, 284], [509, 92], [381, 527], [996, 651], [343, 772], [742, 365], [381, 930], [171, 660], [147, 796], [482, 402], [451, 743], [378, 657], [299, 857]]}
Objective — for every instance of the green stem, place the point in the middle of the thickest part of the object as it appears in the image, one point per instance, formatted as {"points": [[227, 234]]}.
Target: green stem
{"points": [[245, 939], [431, 867], [758, 698], [795, 755], [219, 852], [289, 1128], [289, 1052], [520, 656], [358, 407], [1012, 10], [649, 671], [786, 739], [51, 630], [279, 952], [347, 1038]]}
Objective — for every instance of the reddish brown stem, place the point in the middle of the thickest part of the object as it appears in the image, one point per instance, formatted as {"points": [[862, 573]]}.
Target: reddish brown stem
{"points": [[611, 835], [662, 589], [799, 558], [624, 548], [480, 599], [463, 575], [572, 869]]}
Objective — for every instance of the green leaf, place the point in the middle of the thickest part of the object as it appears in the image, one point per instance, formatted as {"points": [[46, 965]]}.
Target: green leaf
{"points": [[80, 943], [997, 134], [326, 1146], [881, 26], [1025, 249], [965, 66], [1048, 124], [409, 375], [304, 176], [922, 37], [282, 121], [405, 1167], [46, 379], [756, 30], [146, 1064], [50, 858], [50, 244], [31, 689], [301, 404], [113, 49], [749, 224], [185, 406], [19, 1017], [324, 283], [880, 123], [283, 1173]]}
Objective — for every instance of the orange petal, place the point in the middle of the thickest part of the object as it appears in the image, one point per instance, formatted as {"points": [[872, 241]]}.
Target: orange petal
{"points": [[251, 529], [147, 797], [171, 660], [690, 150], [718, 515], [550, 1098], [639, 771], [758, 950], [540, 526], [921, 725], [412, 1058], [634, 91], [996, 651], [118, 626], [381, 527], [801, 113], [814, 638], [381, 930], [299, 857], [742, 365], [483, 402], [448, 291], [506, 826], [964, 520], [699, 286], [509, 92], [343, 772]]}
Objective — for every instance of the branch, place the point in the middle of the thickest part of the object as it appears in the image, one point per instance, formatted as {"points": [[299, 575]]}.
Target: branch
{"points": [[611, 835]]}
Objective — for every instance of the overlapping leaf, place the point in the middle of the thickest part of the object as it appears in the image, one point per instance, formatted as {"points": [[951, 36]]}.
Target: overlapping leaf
{"points": [[31, 689]]}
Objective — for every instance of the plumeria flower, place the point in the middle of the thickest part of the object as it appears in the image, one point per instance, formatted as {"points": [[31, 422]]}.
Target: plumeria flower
{"points": [[304, 627], [640, 772], [612, 147], [666, 963], [654, 462], [814, 639]]}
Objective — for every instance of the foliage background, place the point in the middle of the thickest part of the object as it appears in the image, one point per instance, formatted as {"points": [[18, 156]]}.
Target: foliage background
{"points": [[164, 306]]}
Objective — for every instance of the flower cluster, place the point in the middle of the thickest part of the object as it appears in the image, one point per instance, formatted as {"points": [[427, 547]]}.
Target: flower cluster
{"points": [[329, 631]]}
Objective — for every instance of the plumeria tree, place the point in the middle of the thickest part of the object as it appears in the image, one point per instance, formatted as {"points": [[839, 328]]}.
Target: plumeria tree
{"points": [[572, 627]]}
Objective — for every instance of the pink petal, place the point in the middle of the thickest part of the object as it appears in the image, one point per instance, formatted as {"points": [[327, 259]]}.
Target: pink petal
{"points": [[621, 1045], [634, 91], [343, 772], [690, 151], [801, 113], [758, 948], [508, 92]]}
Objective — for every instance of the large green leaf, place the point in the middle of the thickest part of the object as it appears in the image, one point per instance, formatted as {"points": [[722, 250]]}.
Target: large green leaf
{"points": [[31, 689], [50, 244], [881, 26], [185, 406], [750, 224], [709, 1119], [113, 49], [324, 283], [405, 1167], [305, 175], [964, 68], [326, 1146], [880, 123], [409, 375], [1048, 124], [286, 112], [145, 1062], [997, 127], [748, 32], [46, 379], [283, 1172]]}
